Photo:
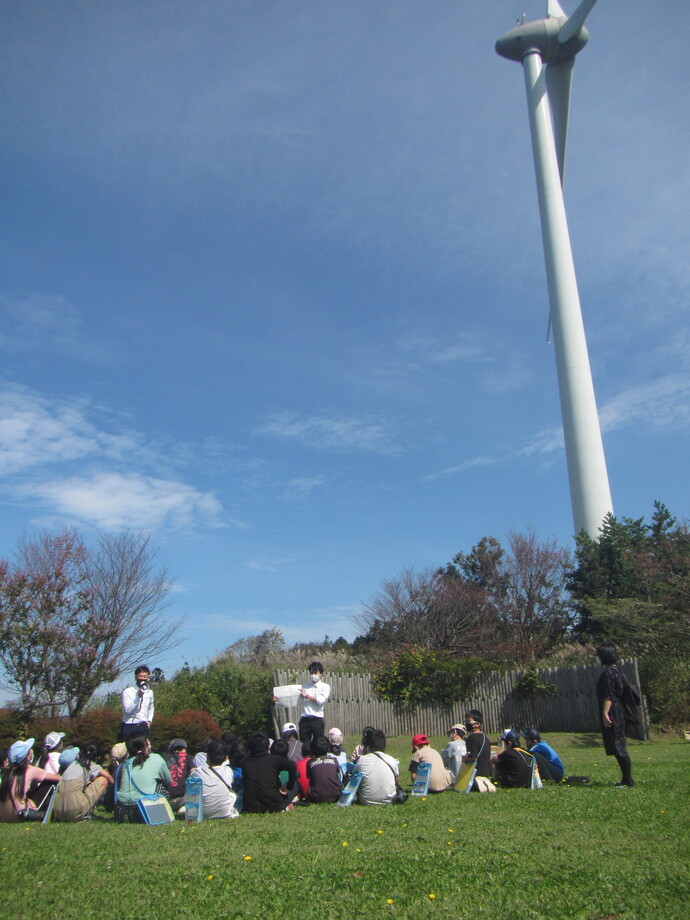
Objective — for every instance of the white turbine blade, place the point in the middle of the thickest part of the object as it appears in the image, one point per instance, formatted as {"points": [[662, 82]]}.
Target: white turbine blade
{"points": [[575, 22], [558, 81], [554, 10]]}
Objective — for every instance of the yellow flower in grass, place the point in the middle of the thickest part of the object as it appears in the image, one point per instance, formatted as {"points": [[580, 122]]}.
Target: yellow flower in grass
{"points": [[209, 877], [432, 897], [344, 843], [389, 901], [379, 831], [247, 859]]}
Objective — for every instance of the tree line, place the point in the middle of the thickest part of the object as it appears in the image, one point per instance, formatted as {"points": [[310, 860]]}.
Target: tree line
{"points": [[73, 619]]}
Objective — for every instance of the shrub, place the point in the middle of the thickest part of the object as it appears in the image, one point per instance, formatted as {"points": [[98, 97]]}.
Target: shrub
{"points": [[418, 675], [530, 686], [194, 725], [100, 723], [666, 684], [10, 726], [237, 696]]}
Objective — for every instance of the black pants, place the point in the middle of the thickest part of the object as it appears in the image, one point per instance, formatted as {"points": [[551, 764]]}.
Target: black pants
{"points": [[310, 727], [133, 728]]}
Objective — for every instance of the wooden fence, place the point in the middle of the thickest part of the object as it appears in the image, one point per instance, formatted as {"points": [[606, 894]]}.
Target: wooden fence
{"points": [[353, 704]]}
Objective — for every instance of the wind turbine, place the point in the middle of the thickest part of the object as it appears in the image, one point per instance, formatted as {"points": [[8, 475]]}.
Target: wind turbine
{"points": [[546, 49]]}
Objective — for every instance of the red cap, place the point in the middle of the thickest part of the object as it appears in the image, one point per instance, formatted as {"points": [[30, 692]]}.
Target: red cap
{"points": [[419, 740]]}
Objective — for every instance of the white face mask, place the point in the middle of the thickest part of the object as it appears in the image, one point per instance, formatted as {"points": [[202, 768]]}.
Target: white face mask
{"points": [[315, 678]]}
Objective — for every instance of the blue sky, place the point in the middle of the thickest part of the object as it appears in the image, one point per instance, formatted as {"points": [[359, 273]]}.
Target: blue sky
{"points": [[272, 288]]}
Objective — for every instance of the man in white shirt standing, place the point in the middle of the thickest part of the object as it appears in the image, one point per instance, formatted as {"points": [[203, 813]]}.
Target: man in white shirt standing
{"points": [[315, 695], [137, 704]]}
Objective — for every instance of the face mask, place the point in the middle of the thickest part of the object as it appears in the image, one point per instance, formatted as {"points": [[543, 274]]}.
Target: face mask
{"points": [[315, 678]]}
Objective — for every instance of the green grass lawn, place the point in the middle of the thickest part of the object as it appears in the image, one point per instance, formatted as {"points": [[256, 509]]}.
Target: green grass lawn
{"points": [[591, 853]]}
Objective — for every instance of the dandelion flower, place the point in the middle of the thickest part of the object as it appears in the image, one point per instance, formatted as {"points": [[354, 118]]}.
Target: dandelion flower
{"points": [[389, 901], [209, 877], [432, 897], [379, 831], [344, 843], [450, 830], [247, 858]]}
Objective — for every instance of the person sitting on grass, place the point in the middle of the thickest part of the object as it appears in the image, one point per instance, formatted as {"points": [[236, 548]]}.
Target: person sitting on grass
{"points": [[549, 763], [301, 767], [455, 750], [479, 751], [289, 734], [335, 746], [143, 773], [216, 776], [18, 778], [359, 748], [513, 766], [82, 784], [261, 777], [50, 756], [379, 770], [179, 763], [323, 773], [422, 752]]}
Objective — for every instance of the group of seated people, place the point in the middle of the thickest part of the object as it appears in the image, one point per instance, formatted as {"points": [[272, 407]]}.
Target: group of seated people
{"points": [[254, 775]]}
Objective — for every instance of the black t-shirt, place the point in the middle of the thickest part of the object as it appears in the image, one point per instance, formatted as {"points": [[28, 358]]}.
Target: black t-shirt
{"points": [[261, 777], [514, 769], [479, 749]]}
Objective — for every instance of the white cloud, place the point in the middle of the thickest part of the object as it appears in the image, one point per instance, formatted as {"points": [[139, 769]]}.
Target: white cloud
{"points": [[111, 501], [330, 433], [35, 431], [55, 457]]}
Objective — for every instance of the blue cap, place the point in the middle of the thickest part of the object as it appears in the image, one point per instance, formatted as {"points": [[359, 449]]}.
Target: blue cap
{"points": [[510, 735], [19, 750], [532, 734], [68, 756]]}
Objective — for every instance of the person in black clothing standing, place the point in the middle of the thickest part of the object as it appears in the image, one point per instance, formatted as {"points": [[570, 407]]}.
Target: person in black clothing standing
{"points": [[609, 695], [478, 746]]}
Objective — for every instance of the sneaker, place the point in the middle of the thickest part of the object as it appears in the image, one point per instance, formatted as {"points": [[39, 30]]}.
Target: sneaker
{"points": [[623, 783]]}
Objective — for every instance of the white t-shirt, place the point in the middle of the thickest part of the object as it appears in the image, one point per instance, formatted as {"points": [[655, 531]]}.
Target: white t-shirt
{"points": [[452, 755], [379, 772], [219, 801]]}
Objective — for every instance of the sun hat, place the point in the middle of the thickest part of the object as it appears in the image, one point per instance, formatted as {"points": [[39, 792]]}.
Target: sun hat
{"points": [[335, 736], [68, 756], [419, 740], [118, 751], [288, 727], [19, 750], [458, 727], [52, 739]]}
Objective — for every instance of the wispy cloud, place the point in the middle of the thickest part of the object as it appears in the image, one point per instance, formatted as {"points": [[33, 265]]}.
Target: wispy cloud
{"points": [[324, 432], [272, 564], [663, 403], [111, 501], [35, 431], [59, 458], [298, 489]]}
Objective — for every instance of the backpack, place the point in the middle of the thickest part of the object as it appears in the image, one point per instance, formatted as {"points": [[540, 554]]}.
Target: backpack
{"points": [[631, 701]]}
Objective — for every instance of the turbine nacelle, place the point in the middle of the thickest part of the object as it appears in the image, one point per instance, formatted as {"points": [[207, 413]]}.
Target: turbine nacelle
{"points": [[542, 36]]}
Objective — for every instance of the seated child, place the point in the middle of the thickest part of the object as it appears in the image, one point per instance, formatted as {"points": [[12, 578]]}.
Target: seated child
{"points": [[216, 776], [550, 764], [323, 773]]}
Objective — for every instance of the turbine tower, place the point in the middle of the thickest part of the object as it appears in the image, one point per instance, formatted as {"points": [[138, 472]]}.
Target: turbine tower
{"points": [[546, 49]]}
